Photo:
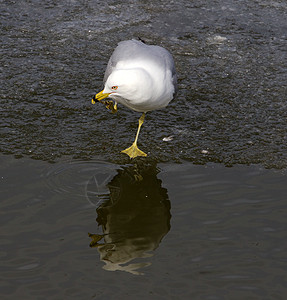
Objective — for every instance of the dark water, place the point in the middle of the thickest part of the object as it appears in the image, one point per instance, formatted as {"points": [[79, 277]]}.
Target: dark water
{"points": [[79, 220], [167, 231]]}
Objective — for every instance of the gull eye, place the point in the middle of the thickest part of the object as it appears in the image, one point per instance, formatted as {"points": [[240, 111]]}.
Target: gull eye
{"points": [[115, 87]]}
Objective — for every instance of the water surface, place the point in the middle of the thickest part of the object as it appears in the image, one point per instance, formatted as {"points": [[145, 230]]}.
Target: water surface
{"points": [[85, 230]]}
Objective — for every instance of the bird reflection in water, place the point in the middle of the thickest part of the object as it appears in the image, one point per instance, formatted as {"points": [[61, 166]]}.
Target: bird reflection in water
{"points": [[134, 219]]}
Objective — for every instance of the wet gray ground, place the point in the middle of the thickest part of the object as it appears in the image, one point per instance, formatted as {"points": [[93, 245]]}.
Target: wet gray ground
{"points": [[179, 224], [231, 63]]}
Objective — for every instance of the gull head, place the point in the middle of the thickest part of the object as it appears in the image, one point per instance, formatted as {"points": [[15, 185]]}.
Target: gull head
{"points": [[128, 86]]}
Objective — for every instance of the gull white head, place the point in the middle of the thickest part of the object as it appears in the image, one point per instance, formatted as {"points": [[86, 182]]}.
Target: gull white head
{"points": [[129, 86]]}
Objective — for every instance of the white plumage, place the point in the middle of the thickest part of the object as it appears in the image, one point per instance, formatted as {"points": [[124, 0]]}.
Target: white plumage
{"points": [[141, 77]]}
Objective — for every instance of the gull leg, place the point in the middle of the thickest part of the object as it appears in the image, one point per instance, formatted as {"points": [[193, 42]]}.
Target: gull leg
{"points": [[133, 151]]}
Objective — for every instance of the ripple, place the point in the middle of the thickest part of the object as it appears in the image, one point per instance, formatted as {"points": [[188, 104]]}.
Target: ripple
{"points": [[87, 179]]}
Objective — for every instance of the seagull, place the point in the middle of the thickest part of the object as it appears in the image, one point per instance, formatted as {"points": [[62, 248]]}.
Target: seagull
{"points": [[141, 77]]}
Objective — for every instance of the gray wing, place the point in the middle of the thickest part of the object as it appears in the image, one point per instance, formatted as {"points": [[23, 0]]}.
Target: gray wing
{"points": [[109, 69], [171, 66], [169, 62]]}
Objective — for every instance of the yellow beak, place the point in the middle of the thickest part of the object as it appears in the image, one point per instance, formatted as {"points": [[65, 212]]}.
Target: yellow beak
{"points": [[100, 96]]}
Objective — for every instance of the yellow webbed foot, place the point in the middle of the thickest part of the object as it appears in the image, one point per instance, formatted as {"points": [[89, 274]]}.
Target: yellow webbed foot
{"points": [[133, 151], [111, 106]]}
